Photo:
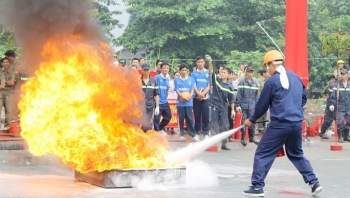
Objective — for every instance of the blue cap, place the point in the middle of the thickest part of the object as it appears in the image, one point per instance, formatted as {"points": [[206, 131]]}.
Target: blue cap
{"points": [[146, 66]]}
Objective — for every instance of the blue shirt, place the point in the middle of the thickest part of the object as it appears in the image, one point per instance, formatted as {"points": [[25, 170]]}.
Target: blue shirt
{"points": [[285, 104], [201, 79], [163, 87], [184, 86]]}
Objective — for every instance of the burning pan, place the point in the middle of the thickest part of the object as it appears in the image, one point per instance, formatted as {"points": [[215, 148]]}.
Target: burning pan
{"points": [[126, 178]]}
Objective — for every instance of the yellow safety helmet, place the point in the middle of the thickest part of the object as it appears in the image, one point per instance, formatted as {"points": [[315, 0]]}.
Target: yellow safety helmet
{"points": [[272, 55], [340, 62]]}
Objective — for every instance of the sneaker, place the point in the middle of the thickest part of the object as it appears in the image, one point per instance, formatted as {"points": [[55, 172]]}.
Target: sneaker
{"points": [[315, 188], [196, 138], [206, 137], [254, 192]]}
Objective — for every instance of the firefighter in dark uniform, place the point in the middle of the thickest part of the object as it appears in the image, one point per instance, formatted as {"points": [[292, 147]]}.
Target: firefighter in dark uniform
{"points": [[150, 88], [285, 95], [247, 96], [340, 101], [329, 115], [222, 97]]}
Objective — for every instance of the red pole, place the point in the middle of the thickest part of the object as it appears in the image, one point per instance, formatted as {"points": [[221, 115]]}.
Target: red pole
{"points": [[296, 39]]}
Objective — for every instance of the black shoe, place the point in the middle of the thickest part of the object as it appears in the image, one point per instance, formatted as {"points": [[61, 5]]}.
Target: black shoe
{"points": [[225, 148], [243, 142], [324, 136], [255, 141], [315, 188], [347, 139], [254, 192]]}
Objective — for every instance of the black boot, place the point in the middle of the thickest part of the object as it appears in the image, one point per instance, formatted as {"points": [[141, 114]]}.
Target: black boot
{"points": [[243, 142], [251, 136], [340, 136], [346, 135], [323, 132]]}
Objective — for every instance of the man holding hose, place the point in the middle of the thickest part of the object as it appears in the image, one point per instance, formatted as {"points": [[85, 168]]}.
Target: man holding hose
{"points": [[285, 95]]}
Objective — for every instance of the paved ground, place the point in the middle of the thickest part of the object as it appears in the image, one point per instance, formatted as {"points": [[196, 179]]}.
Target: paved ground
{"points": [[22, 175]]}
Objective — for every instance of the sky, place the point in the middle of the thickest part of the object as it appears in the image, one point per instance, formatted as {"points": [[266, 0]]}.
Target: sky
{"points": [[123, 18]]}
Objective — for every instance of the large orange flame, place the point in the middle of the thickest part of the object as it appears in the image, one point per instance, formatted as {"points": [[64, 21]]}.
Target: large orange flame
{"points": [[76, 107]]}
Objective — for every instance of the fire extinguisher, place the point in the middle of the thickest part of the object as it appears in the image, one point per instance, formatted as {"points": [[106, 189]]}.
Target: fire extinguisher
{"points": [[280, 152], [237, 122]]}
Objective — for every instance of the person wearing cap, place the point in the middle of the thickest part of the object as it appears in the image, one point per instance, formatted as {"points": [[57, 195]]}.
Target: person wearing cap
{"points": [[164, 108], [329, 115], [247, 96], [122, 62], [263, 76], [285, 95], [340, 65], [340, 99], [150, 89]]}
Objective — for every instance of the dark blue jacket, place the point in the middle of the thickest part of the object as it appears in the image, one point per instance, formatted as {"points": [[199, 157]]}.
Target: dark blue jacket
{"points": [[247, 94], [223, 94], [285, 104], [344, 97]]}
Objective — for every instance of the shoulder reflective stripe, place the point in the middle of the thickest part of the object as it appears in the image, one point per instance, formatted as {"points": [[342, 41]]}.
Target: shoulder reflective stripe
{"points": [[247, 87], [222, 88]]}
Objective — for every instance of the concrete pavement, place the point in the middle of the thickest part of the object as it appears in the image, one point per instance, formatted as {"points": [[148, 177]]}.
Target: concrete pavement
{"points": [[23, 175]]}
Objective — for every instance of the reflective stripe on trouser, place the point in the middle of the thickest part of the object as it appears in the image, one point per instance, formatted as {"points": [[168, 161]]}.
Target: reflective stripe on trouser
{"points": [[271, 142], [328, 119], [185, 113], [343, 120], [165, 112], [201, 115], [219, 122]]}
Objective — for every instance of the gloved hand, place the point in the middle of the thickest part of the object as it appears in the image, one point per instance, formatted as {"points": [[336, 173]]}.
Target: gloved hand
{"points": [[331, 108], [233, 115], [208, 58], [238, 109], [156, 110]]}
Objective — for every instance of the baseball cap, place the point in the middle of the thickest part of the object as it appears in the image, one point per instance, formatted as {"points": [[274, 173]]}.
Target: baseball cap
{"points": [[146, 66], [344, 71], [249, 68], [122, 61]]}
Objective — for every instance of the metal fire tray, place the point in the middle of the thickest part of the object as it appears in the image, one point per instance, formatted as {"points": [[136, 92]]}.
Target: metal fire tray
{"points": [[127, 178]]}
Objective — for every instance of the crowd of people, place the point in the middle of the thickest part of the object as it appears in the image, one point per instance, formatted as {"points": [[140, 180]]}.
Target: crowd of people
{"points": [[206, 100]]}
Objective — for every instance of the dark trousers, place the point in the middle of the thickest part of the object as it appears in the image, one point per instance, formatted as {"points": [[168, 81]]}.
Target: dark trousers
{"points": [[341, 118], [185, 113], [328, 119], [271, 142], [219, 122], [165, 112], [148, 124], [201, 115], [230, 120], [246, 114]]}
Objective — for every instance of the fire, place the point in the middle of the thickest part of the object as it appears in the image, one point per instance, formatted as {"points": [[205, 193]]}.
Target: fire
{"points": [[78, 107]]}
